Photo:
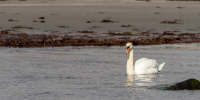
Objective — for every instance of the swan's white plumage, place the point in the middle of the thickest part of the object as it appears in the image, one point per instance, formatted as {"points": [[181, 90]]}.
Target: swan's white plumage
{"points": [[143, 65], [161, 66], [146, 66]]}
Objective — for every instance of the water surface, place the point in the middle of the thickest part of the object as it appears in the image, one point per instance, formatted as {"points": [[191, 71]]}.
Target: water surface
{"points": [[88, 73]]}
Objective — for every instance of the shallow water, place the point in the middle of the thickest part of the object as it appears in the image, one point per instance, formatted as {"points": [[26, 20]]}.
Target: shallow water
{"points": [[88, 73]]}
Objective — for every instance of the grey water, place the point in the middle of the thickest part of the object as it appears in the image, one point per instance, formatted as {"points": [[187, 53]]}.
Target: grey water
{"points": [[94, 73]]}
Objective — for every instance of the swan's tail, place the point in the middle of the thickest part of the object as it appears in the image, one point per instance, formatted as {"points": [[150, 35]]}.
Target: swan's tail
{"points": [[161, 66]]}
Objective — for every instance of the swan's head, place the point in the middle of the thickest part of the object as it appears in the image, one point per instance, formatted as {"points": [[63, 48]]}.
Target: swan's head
{"points": [[129, 46]]}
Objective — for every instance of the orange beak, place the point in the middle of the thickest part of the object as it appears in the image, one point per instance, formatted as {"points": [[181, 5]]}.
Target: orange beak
{"points": [[127, 50]]}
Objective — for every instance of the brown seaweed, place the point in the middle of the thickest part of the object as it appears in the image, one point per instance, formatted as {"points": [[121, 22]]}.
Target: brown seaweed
{"points": [[41, 18], [63, 26], [107, 21], [12, 20], [85, 31], [41, 40], [173, 22], [19, 27], [127, 26]]}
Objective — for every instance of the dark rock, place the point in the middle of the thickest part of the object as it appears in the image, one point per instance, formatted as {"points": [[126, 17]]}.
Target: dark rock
{"points": [[190, 84], [41, 18], [11, 20], [42, 21], [88, 22], [107, 21]]}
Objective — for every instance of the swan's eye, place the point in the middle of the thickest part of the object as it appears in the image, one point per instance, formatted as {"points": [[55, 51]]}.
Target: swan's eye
{"points": [[128, 47]]}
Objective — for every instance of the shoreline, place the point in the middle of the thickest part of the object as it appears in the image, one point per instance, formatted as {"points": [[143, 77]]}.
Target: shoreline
{"points": [[110, 39]]}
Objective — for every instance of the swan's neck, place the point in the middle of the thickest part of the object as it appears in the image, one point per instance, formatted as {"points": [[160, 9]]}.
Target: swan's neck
{"points": [[130, 69]]}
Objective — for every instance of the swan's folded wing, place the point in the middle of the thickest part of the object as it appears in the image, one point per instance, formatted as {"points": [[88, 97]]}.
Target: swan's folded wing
{"points": [[140, 61], [145, 63]]}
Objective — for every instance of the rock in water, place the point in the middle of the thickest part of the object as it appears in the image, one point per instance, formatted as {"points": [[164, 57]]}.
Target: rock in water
{"points": [[190, 84]]}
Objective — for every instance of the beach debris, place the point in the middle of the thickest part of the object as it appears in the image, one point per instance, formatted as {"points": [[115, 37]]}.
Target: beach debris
{"points": [[186, 34], [18, 27], [88, 22], [173, 22], [124, 33], [127, 26], [85, 31], [41, 18], [63, 26], [107, 21], [41, 40], [22, 0], [11, 20], [14, 38], [42, 21]]}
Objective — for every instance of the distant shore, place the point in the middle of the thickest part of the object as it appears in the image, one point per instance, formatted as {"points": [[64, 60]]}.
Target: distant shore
{"points": [[96, 22]]}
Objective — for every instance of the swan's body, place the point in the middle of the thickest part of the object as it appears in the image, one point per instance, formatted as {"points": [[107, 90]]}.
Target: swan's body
{"points": [[143, 65]]}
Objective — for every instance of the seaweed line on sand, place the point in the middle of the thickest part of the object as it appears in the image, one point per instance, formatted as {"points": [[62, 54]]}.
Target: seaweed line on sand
{"points": [[111, 39]]}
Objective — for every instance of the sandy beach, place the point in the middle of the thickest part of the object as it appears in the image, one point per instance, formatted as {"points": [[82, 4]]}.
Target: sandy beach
{"points": [[71, 17]]}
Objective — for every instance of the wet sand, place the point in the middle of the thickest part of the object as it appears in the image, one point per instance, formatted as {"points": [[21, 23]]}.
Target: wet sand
{"points": [[75, 18]]}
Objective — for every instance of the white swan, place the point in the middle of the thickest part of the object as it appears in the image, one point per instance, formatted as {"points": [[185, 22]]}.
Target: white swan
{"points": [[143, 65]]}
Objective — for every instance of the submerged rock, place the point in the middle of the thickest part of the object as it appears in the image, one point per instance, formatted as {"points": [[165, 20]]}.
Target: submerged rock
{"points": [[190, 84]]}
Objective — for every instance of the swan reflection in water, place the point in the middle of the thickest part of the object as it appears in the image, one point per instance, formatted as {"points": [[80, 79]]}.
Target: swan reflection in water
{"points": [[129, 80], [140, 80]]}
